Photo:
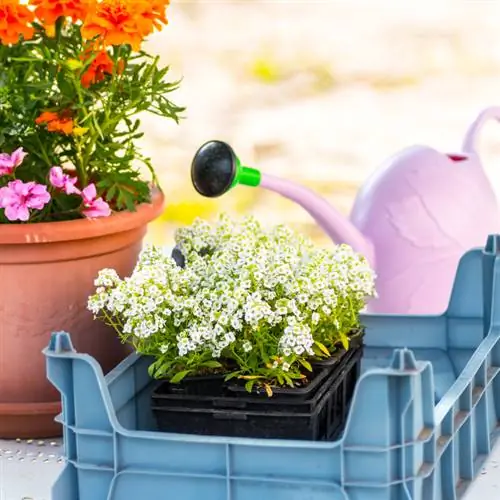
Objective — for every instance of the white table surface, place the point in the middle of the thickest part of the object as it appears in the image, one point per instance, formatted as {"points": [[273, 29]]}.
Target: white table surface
{"points": [[28, 469]]}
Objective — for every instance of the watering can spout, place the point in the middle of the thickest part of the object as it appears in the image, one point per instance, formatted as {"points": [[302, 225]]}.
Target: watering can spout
{"points": [[338, 228], [216, 169]]}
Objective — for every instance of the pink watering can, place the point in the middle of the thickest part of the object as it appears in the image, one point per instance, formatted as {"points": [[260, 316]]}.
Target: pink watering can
{"points": [[413, 218]]}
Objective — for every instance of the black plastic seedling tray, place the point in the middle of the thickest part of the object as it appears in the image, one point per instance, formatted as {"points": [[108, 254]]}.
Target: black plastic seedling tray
{"points": [[315, 412]]}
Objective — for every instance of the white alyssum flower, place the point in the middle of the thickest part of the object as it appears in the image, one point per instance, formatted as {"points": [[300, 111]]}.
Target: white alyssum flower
{"points": [[243, 286]]}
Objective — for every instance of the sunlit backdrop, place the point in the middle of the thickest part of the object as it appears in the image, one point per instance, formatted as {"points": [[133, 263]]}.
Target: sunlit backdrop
{"points": [[319, 92]]}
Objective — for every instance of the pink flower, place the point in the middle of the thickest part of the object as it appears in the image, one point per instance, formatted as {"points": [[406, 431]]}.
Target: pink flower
{"points": [[17, 198], [94, 207], [9, 162], [97, 208], [63, 181], [89, 194]]}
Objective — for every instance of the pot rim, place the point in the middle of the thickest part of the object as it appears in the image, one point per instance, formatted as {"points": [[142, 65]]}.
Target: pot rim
{"points": [[80, 229]]}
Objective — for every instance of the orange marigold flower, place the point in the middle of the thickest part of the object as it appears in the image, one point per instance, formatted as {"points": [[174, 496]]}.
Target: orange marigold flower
{"points": [[117, 22], [49, 11], [56, 122], [157, 13], [15, 20], [46, 116], [100, 66], [50, 30]]}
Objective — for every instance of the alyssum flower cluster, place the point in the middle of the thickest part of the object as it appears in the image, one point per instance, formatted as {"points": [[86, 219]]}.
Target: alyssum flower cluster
{"points": [[73, 78], [252, 303]]}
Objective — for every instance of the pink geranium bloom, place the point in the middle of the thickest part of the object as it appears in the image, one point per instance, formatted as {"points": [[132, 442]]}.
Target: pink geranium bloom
{"points": [[9, 162], [17, 198], [94, 207], [97, 208], [63, 181], [89, 194]]}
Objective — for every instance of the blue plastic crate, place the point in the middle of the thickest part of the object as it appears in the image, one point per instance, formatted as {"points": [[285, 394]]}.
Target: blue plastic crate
{"points": [[424, 416]]}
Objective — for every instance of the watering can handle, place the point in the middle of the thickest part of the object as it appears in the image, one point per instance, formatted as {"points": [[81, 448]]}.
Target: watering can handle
{"points": [[469, 144]]}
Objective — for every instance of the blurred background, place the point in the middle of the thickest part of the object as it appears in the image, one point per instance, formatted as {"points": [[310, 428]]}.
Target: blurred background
{"points": [[321, 92]]}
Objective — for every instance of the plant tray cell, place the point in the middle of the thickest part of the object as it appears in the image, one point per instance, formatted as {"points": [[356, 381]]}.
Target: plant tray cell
{"points": [[321, 416], [195, 386], [304, 400]]}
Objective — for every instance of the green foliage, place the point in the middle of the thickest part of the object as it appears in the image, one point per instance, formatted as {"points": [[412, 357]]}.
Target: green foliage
{"points": [[45, 74], [256, 305]]}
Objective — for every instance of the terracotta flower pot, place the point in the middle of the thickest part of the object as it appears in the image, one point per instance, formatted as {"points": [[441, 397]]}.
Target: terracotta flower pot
{"points": [[47, 273]]}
